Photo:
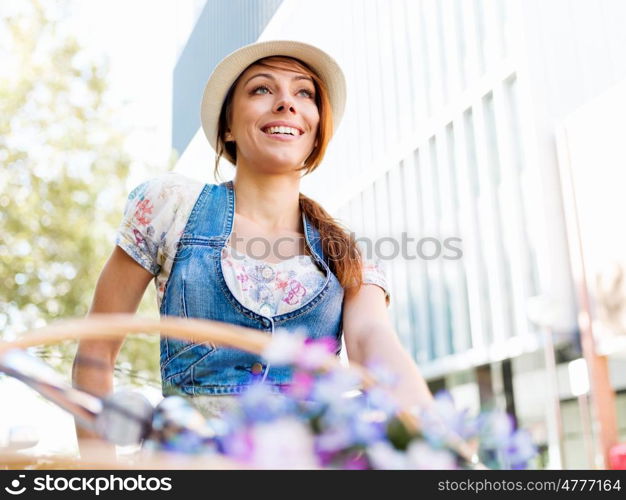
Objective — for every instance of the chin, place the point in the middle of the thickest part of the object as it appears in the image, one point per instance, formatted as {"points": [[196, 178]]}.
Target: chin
{"points": [[283, 163]]}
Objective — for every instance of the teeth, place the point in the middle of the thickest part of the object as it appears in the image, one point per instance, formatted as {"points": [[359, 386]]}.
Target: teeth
{"points": [[282, 130]]}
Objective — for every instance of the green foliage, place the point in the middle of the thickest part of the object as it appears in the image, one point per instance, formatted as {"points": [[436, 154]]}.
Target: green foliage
{"points": [[62, 184]]}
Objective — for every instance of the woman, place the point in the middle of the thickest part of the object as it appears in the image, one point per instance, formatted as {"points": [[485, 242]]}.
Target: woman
{"points": [[269, 108]]}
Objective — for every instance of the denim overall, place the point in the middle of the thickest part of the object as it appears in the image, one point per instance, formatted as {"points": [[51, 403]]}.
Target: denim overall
{"points": [[196, 288]]}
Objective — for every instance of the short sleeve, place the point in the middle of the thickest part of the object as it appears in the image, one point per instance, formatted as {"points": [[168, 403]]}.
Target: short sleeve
{"points": [[374, 274], [148, 215]]}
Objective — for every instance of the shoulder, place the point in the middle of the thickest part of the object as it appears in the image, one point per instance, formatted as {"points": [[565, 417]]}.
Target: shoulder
{"points": [[374, 273], [161, 200], [167, 185], [167, 193], [155, 214]]}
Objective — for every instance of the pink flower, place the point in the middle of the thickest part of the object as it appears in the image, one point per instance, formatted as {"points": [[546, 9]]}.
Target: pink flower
{"points": [[316, 353], [244, 279], [282, 280], [301, 386], [296, 292], [144, 208]]}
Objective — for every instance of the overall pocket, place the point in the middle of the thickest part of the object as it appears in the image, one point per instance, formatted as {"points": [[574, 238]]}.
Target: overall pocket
{"points": [[183, 357]]}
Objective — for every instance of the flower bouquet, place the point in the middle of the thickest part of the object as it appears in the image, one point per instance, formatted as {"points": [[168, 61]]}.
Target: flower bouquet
{"points": [[330, 416]]}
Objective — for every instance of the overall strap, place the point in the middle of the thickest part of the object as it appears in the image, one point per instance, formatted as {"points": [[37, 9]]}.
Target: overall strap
{"points": [[314, 239], [212, 215]]}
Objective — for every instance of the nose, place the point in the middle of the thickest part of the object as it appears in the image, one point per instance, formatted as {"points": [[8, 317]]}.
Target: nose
{"points": [[285, 102]]}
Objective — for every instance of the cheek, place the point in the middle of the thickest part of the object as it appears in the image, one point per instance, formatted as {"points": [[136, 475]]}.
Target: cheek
{"points": [[313, 119], [315, 114], [316, 133], [244, 115]]}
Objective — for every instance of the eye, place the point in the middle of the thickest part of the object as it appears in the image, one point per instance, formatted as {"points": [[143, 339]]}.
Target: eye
{"points": [[307, 92], [261, 89]]}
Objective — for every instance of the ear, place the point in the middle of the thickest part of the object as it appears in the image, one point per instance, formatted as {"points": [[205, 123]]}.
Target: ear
{"points": [[228, 137]]}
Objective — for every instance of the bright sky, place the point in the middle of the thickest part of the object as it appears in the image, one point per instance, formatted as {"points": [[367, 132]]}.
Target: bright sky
{"points": [[141, 40]]}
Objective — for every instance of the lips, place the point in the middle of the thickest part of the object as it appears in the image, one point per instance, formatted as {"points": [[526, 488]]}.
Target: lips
{"points": [[282, 128]]}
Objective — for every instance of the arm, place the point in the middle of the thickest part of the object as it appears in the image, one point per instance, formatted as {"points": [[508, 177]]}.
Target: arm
{"points": [[370, 336], [120, 287]]}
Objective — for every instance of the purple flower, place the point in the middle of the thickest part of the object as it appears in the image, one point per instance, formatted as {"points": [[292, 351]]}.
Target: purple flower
{"points": [[378, 398], [334, 439], [239, 445], [382, 374], [260, 403], [521, 449], [495, 428], [366, 430], [501, 446], [356, 462], [443, 421], [332, 387]]}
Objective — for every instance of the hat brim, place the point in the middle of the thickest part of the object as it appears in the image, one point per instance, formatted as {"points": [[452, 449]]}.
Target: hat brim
{"points": [[227, 71]]}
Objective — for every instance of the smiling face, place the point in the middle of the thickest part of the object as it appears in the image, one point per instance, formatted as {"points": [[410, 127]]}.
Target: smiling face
{"points": [[274, 116]]}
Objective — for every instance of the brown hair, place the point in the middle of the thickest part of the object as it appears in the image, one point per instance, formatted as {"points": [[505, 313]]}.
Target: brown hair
{"points": [[338, 245]]}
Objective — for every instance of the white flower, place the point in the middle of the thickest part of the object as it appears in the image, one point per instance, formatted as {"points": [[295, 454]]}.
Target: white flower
{"points": [[284, 347], [335, 438], [420, 455], [285, 443], [314, 356], [332, 389], [383, 456]]}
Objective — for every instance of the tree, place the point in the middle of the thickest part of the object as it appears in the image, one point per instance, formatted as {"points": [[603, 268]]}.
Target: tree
{"points": [[62, 183]]}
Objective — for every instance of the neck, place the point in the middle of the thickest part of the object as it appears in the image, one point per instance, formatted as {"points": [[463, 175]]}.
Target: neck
{"points": [[270, 201]]}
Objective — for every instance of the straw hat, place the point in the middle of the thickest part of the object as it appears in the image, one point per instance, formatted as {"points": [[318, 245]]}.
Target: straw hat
{"points": [[227, 71]]}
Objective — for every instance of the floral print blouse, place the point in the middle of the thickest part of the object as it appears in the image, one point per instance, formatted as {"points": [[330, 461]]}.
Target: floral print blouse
{"points": [[154, 219]]}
